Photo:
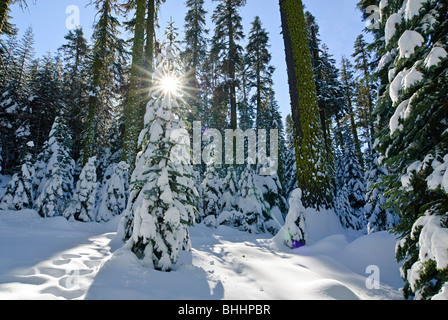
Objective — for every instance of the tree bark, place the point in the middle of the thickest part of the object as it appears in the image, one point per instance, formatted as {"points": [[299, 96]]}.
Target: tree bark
{"points": [[134, 121]]}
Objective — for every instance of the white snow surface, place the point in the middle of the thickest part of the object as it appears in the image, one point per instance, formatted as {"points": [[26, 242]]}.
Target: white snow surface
{"points": [[56, 259]]}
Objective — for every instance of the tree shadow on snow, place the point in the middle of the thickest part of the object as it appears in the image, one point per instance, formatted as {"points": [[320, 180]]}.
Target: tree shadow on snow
{"points": [[123, 277]]}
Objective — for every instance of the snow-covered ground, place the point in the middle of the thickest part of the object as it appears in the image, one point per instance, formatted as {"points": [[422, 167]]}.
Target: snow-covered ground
{"points": [[57, 259]]}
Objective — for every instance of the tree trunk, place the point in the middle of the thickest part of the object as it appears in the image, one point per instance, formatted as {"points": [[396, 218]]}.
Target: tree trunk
{"points": [[4, 8], [292, 78], [134, 120], [232, 73], [313, 163]]}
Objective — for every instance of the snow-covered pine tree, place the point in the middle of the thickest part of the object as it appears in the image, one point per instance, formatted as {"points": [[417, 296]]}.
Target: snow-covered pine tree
{"points": [[229, 198], [162, 193], [82, 206], [212, 193], [46, 98], [19, 193], [253, 207], [113, 194], [293, 234], [414, 146], [273, 202], [14, 108], [353, 180], [350, 190], [272, 185], [56, 185], [343, 208], [378, 217]]}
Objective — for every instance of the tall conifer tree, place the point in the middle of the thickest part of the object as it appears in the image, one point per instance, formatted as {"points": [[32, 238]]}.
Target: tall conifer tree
{"points": [[195, 54], [75, 53], [314, 171], [108, 58], [414, 146], [228, 34], [133, 121]]}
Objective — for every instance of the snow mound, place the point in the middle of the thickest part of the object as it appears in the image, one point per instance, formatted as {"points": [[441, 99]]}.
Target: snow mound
{"points": [[327, 289], [321, 224], [307, 225], [124, 278]]}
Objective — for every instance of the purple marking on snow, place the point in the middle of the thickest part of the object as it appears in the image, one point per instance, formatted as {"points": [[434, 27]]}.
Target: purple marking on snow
{"points": [[297, 244]]}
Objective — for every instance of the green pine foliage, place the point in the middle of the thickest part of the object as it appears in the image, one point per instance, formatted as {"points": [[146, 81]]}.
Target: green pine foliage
{"points": [[226, 45], [347, 78], [212, 193], [56, 185], [413, 72], [82, 206], [46, 97], [365, 89], [194, 55], [19, 193], [108, 58], [15, 99], [260, 69], [75, 55]]}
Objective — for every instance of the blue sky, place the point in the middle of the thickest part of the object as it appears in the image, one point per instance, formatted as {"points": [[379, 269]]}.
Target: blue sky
{"points": [[339, 20]]}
